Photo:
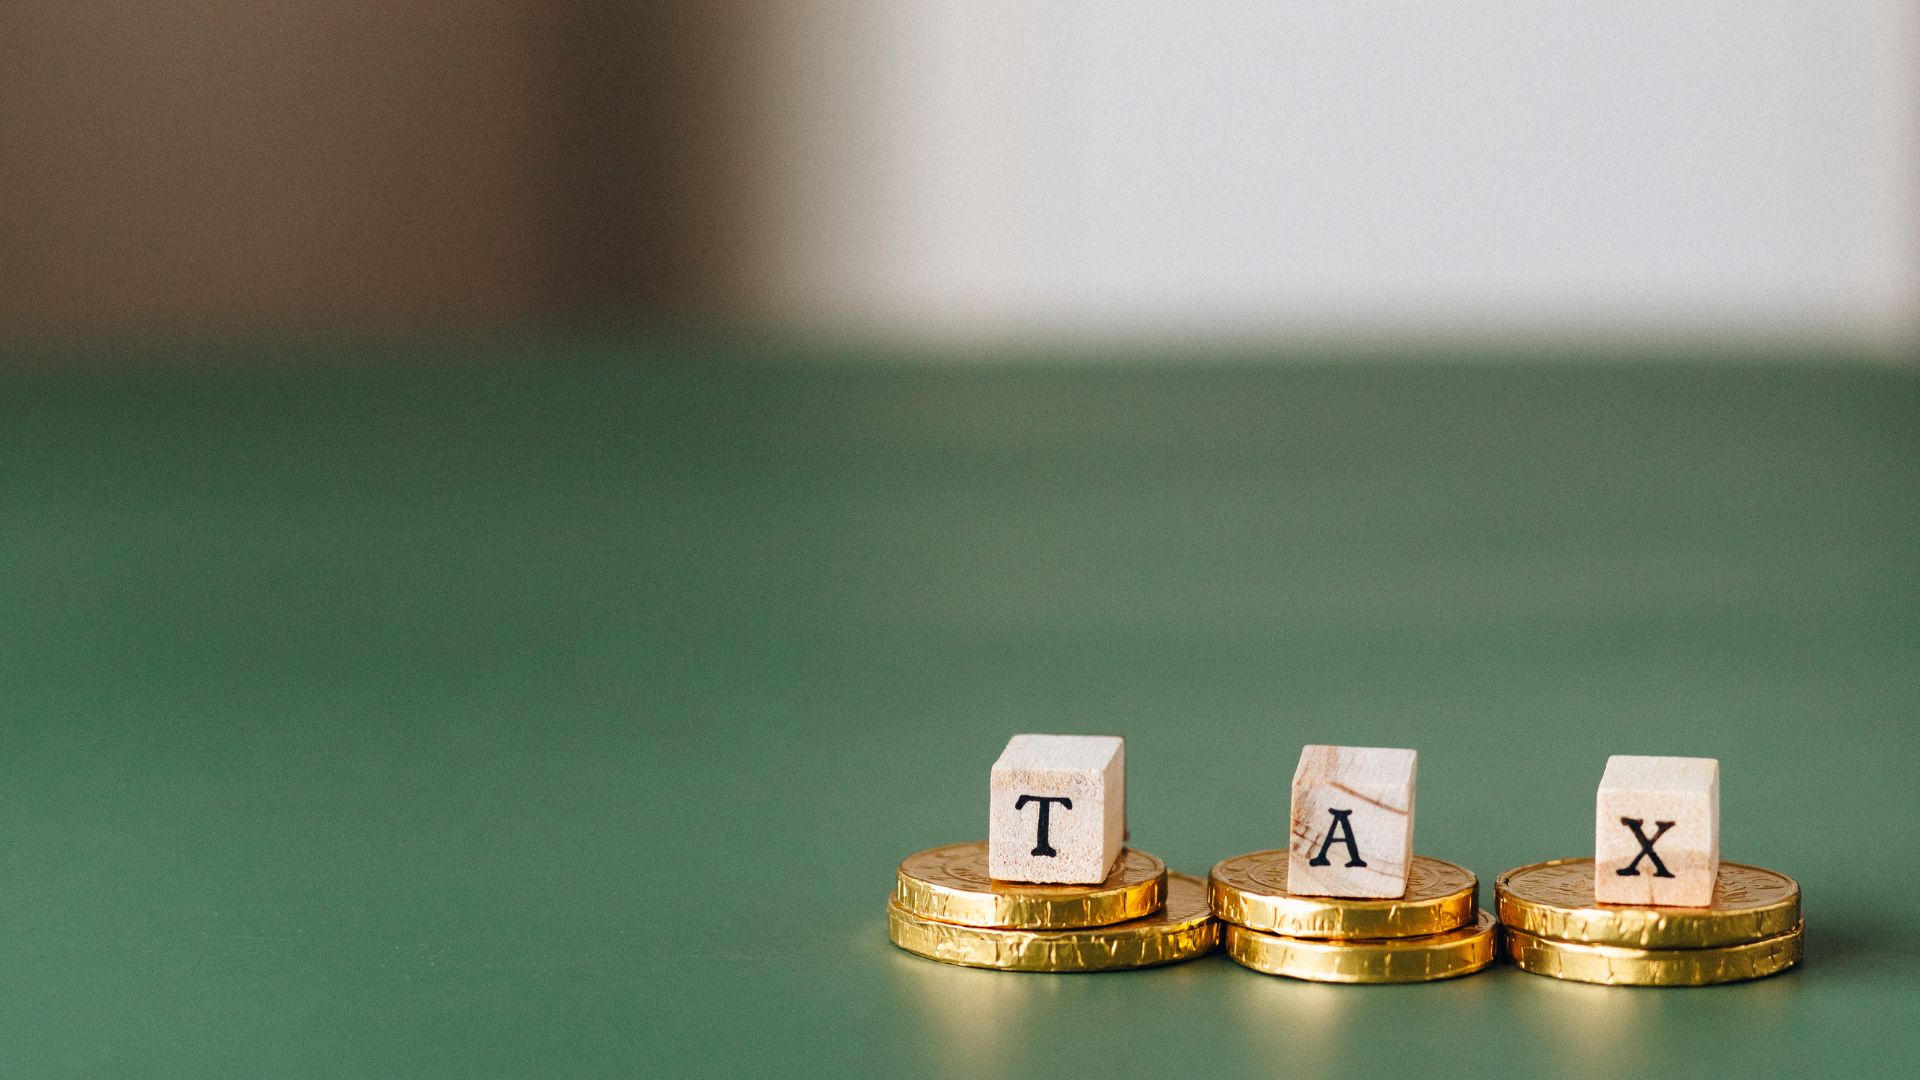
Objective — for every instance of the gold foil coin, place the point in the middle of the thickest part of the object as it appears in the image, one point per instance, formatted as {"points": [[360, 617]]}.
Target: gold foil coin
{"points": [[1555, 900], [1184, 930], [951, 884], [1379, 960], [1615, 966], [1251, 891]]}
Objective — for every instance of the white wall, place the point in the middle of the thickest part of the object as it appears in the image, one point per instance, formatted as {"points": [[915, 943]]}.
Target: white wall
{"points": [[1713, 170]]}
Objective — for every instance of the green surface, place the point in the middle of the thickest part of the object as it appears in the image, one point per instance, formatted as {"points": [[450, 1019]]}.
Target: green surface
{"points": [[564, 711]]}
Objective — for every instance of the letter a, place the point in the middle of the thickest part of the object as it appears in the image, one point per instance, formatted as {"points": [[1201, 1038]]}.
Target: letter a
{"points": [[1342, 830]]}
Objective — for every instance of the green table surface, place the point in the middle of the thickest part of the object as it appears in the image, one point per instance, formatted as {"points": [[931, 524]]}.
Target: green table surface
{"points": [[562, 708]]}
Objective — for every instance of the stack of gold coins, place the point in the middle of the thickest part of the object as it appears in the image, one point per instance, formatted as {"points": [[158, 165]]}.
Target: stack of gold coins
{"points": [[945, 907], [1434, 931], [1553, 927]]}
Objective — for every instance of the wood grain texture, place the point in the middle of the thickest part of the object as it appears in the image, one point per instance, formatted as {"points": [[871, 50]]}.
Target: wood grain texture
{"points": [[1352, 822], [1078, 782]]}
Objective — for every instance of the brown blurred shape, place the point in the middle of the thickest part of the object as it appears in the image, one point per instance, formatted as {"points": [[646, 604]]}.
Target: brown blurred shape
{"points": [[213, 164]]}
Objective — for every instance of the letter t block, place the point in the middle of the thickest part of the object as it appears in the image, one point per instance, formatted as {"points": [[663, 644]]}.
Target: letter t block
{"points": [[1657, 831], [1059, 809], [1352, 822]]}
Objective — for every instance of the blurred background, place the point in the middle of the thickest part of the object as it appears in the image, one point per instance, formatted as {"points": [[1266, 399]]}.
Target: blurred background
{"points": [[947, 171]]}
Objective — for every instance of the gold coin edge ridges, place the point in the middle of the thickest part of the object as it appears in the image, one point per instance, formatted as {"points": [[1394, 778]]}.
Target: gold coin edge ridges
{"points": [[1479, 949], [1644, 926], [1336, 918], [1098, 906], [1010, 948], [1577, 961]]}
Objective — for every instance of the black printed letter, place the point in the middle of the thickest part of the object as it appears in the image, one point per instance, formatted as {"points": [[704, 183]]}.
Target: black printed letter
{"points": [[1340, 825], [1646, 847], [1045, 801]]}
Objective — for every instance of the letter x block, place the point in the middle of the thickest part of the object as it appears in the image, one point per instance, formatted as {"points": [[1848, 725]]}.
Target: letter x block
{"points": [[1656, 834], [1059, 809], [1352, 822]]}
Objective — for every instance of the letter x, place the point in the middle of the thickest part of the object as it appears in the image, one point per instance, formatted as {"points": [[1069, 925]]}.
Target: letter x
{"points": [[1646, 847]]}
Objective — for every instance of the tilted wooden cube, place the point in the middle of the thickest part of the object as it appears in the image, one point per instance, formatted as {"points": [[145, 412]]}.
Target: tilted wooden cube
{"points": [[1352, 822], [1656, 832], [1059, 809]]}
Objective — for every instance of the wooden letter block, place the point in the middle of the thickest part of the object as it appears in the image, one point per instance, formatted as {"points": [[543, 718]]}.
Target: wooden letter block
{"points": [[1656, 835], [1059, 809], [1352, 822]]}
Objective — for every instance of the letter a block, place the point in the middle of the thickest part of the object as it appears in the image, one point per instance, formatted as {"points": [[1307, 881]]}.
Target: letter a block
{"points": [[1656, 835], [1059, 809], [1352, 822]]}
